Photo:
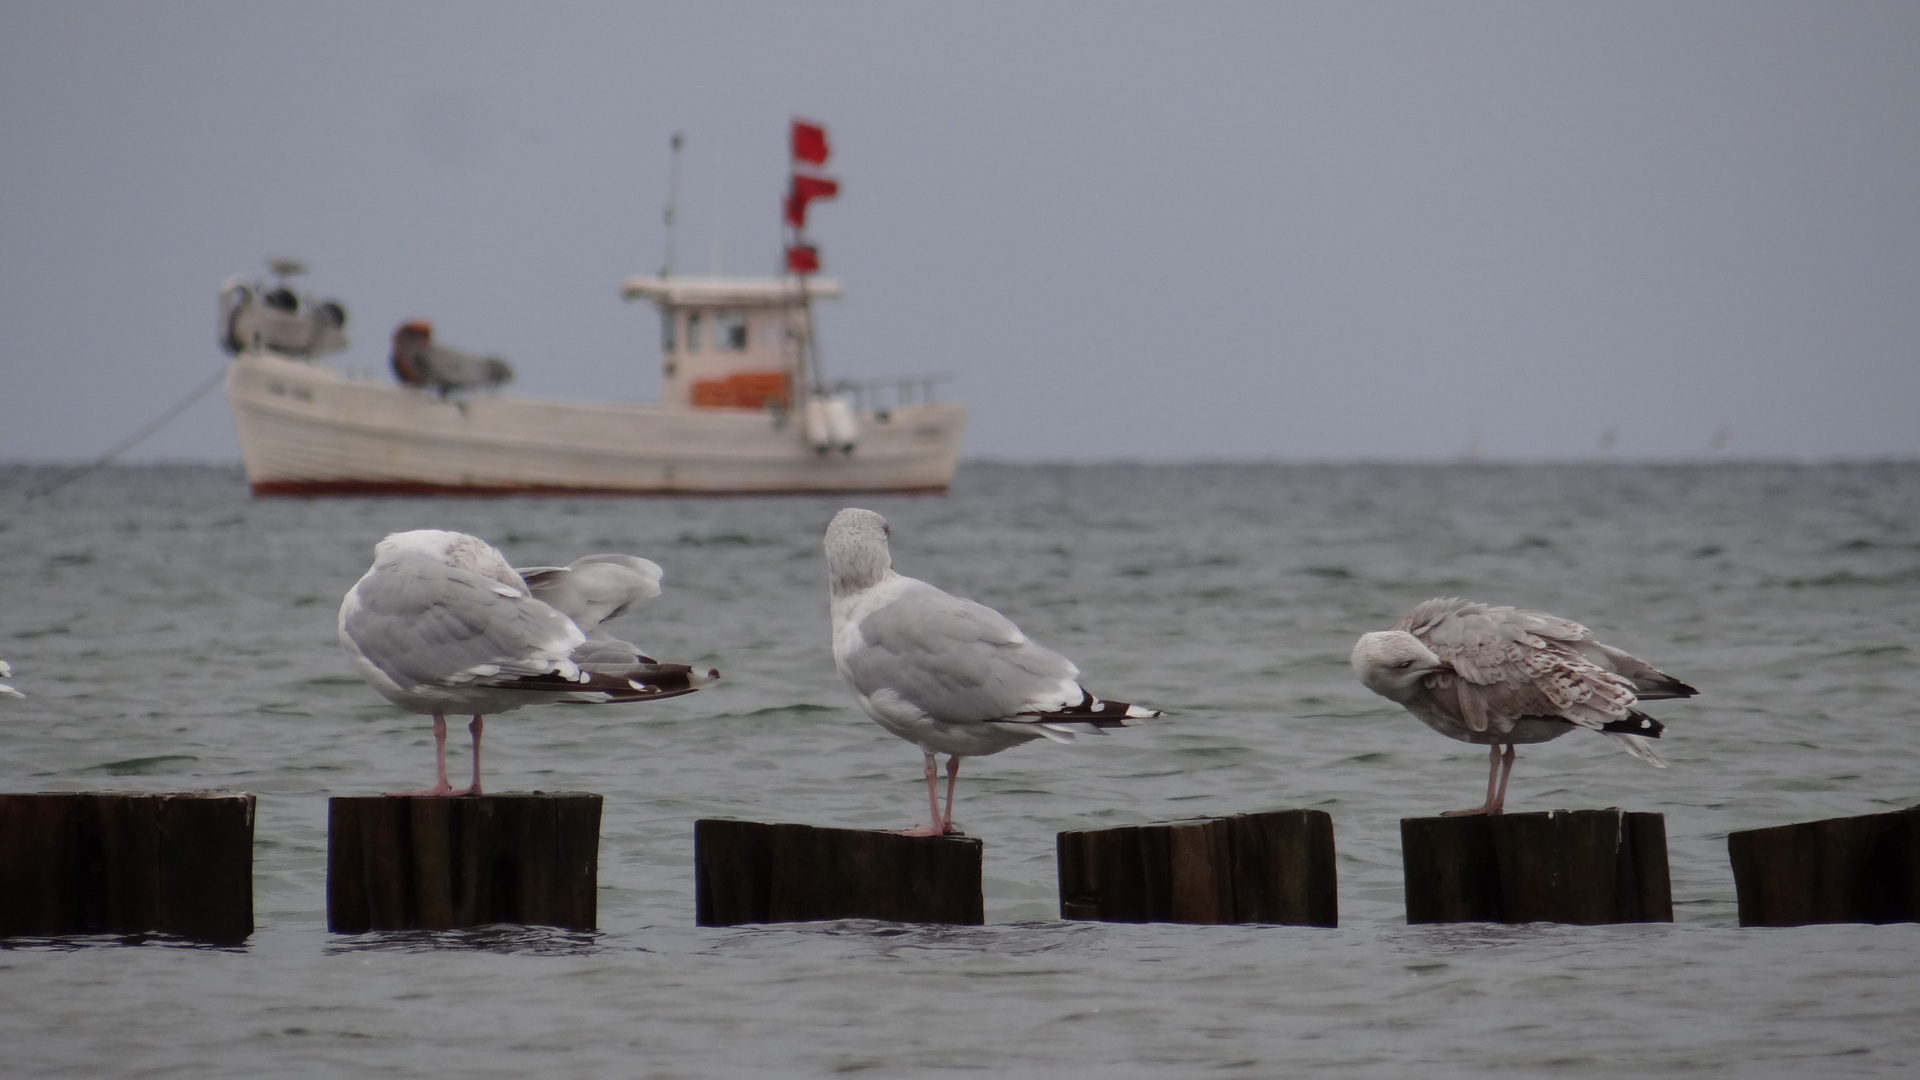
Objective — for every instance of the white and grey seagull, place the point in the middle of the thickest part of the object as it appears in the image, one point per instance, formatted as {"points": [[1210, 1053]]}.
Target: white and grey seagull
{"points": [[6, 671], [442, 624], [1499, 676], [950, 676]]}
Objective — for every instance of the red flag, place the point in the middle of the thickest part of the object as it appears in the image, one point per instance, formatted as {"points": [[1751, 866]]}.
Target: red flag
{"points": [[809, 143], [803, 259], [805, 189]]}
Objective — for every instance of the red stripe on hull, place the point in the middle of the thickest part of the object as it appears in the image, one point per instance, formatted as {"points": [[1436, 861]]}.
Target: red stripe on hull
{"points": [[493, 491]]}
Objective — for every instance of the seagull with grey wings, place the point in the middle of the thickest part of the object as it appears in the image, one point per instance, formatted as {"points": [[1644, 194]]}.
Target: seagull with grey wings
{"points": [[1499, 676], [442, 624], [950, 676]]}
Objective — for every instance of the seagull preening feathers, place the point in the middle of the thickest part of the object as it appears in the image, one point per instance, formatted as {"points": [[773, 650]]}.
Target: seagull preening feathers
{"points": [[950, 676], [1498, 676], [441, 624]]}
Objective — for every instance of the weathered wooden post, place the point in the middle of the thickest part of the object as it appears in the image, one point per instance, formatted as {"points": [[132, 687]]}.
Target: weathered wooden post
{"points": [[1854, 869], [1566, 866], [749, 872], [97, 862], [399, 862], [1274, 867]]}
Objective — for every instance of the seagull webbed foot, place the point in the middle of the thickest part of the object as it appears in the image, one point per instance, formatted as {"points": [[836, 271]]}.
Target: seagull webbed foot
{"points": [[440, 790], [931, 828]]}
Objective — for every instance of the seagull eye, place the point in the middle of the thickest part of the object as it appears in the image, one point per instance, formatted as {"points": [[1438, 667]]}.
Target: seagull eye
{"points": [[1404, 664]]}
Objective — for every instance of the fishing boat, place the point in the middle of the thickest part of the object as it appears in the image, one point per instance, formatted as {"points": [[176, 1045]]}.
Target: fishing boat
{"points": [[742, 407]]}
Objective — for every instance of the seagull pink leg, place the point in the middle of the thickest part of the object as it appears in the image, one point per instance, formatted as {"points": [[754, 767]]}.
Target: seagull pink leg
{"points": [[440, 785], [931, 828], [953, 771], [1491, 806], [1506, 770], [473, 729]]}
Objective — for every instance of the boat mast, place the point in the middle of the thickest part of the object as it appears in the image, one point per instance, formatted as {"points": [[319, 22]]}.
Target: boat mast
{"points": [[810, 349], [673, 200], [808, 155]]}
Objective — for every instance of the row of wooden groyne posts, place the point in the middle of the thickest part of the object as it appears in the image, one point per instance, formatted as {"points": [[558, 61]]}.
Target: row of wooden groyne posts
{"points": [[182, 864]]}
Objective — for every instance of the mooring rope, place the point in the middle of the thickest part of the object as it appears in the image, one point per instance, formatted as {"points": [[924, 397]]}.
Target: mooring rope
{"points": [[127, 443]]}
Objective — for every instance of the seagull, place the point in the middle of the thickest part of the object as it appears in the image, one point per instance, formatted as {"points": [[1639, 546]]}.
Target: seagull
{"points": [[1498, 676], [417, 361], [441, 624], [950, 676], [6, 672]]}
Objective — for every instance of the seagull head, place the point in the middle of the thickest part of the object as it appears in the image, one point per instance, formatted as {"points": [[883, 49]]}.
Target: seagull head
{"points": [[857, 555], [1391, 663]]}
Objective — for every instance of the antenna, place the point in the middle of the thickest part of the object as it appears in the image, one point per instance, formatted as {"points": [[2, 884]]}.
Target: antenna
{"points": [[714, 208], [673, 200]]}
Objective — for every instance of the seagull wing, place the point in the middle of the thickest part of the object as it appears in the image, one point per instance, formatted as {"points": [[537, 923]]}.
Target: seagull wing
{"points": [[1510, 664], [596, 588], [1649, 683], [422, 623], [955, 660]]}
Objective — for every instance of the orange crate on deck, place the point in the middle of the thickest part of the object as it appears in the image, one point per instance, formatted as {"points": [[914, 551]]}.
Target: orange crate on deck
{"points": [[743, 390]]}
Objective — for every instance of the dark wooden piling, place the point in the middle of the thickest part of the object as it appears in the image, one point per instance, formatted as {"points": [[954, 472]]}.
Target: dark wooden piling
{"points": [[1273, 867], [1842, 870], [106, 862], [749, 872], [1565, 866], [421, 863]]}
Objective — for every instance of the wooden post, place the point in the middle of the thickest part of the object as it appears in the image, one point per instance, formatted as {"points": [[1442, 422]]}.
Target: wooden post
{"points": [[1274, 867], [1854, 869], [1566, 866], [99, 862], [749, 872], [422, 863]]}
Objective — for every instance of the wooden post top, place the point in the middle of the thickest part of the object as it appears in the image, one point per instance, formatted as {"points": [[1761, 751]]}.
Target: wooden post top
{"points": [[1532, 815], [203, 793], [1274, 866], [1568, 866], [754, 872], [486, 795]]}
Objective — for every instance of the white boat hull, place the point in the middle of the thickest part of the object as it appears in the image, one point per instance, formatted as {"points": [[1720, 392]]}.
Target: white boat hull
{"points": [[308, 430]]}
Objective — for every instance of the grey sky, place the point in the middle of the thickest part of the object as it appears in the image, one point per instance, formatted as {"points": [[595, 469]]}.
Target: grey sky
{"points": [[1160, 232]]}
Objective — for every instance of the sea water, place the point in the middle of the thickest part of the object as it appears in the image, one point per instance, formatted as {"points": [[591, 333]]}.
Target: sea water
{"points": [[173, 633]]}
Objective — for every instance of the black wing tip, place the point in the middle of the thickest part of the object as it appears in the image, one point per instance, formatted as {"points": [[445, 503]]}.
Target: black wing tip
{"points": [[1100, 714], [1636, 723], [658, 681]]}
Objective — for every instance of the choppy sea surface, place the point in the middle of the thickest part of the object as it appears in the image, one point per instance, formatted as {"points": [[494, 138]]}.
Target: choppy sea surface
{"points": [[173, 633]]}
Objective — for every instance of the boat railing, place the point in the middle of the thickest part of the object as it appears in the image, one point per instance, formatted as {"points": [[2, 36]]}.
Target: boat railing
{"points": [[879, 395]]}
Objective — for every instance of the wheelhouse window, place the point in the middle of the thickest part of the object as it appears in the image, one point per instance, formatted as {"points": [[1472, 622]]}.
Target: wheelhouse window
{"points": [[667, 321], [772, 331], [730, 331], [693, 332]]}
